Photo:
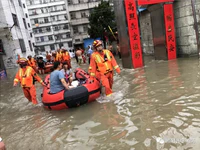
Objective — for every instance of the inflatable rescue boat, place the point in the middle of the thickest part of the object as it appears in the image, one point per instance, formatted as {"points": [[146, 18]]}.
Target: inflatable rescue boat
{"points": [[87, 91]]}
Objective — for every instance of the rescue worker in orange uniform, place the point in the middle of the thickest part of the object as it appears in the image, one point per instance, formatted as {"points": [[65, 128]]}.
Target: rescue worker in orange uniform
{"points": [[66, 57], [101, 65], [32, 62], [48, 57], [59, 55], [26, 76]]}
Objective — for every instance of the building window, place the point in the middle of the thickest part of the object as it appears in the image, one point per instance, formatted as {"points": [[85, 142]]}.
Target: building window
{"points": [[30, 45], [68, 35], [48, 29], [73, 15], [75, 29], [60, 45], [22, 45], [24, 6], [26, 15], [33, 44], [46, 20], [53, 18], [40, 30], [24, 23], [20, 3], [83, 15], [69, 44], [31, 35], [52, 47], [42, 39], [42, 48], [50, 38], [56, 28], [66, 26], [29, 25], [85, 28], [1, 47], [66, 18], [15, 20], [36, 21]]}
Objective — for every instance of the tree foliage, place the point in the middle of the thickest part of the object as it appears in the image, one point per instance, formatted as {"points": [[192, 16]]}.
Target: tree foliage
{"points": [[100, 18]]}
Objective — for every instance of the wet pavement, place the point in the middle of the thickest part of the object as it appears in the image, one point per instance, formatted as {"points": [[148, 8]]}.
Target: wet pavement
{"points": [[154, 107]]}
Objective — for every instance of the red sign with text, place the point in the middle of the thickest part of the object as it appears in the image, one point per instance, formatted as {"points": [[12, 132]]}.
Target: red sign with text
{"points": [[147, 2], [134, 34], [170, 31]]}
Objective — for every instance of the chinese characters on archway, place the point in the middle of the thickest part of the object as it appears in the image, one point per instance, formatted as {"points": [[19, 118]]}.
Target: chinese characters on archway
{"points": [[134, 34], [170, 32]]}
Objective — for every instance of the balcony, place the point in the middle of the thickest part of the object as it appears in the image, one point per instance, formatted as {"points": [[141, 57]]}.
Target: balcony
{"points": [[82, 6], [64, 40], [78, 38], [60, 22], [40, 43], [61, 31], [42, 24], [52, 13], [58, 12], [34, 6], [78, 21], [43, 34]]}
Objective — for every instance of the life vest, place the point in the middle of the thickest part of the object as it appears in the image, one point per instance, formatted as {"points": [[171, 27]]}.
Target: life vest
{"points": [[26, 77], [66, 56], [104, 64], [58, 56], [31, 62]]}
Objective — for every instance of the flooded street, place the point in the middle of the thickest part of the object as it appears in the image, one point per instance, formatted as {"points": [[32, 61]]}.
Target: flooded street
{"points": [[154, 107]]}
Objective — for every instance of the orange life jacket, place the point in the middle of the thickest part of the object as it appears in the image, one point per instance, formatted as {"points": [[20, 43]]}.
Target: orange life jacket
{"points": [[58, 56], [26, 77], [104, 64], [31, 62], [66, 56]]}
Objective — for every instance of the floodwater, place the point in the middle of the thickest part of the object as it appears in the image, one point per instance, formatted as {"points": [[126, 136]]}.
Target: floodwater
{"points": [[154, 107]]}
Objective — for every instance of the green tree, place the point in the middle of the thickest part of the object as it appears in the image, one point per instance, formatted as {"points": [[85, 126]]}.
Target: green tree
{"points": [[100, 18]]}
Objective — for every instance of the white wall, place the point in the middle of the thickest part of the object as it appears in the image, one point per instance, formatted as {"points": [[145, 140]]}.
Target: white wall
{"points": [[11, 36]]}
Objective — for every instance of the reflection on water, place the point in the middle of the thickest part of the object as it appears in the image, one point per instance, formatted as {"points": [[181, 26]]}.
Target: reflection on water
{"points": [[154, 107]]}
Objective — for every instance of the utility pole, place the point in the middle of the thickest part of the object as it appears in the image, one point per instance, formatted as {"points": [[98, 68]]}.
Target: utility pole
{"points": [[196, 26]]}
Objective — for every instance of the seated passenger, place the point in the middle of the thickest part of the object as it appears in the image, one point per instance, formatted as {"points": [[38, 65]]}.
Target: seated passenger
{"points": [[41, 65], [67, 73], [57, 79]]}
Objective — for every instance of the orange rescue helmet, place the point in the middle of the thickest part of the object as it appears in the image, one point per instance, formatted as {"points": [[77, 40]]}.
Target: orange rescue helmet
{"points": [[23, 61], [97, 43]]}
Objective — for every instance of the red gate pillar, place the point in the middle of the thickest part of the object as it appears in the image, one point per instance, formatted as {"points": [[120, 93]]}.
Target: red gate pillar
{"points": [[170, 31], [134, 33]]}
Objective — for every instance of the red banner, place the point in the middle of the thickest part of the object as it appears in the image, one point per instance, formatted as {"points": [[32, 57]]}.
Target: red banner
{"points": [[134, 34], [170, 31], [147, 2]]}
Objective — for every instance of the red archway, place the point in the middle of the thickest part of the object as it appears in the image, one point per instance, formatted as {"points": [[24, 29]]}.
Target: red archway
{"points": [[134, 33]]}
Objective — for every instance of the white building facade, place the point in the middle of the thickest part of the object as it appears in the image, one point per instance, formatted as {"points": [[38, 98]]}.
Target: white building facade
{"points": [[79, 11], [15, 37], [50, 22]]}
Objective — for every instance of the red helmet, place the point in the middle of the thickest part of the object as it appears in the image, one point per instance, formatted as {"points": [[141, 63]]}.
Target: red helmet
{"points": [[22, 61], [96, 43]]}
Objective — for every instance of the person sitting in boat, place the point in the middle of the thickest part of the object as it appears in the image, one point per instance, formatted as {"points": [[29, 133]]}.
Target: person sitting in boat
{"points": [[57, 79], [67, 72], [41, 65]]}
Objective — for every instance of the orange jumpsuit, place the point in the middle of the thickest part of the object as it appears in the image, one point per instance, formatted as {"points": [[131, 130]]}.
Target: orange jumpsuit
{"points": [[26, 77], [66, 57], [59, 56], [32, 63], [101, 66]]}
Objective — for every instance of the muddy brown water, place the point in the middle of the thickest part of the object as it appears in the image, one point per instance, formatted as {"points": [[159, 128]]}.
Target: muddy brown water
{"points": [[154, 107]]}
